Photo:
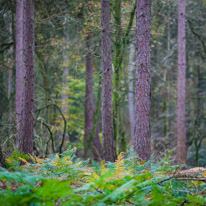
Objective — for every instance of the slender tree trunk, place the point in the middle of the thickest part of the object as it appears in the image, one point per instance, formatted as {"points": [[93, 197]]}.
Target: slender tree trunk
{"points": [[19, 66], [25, 74], [117, 64], [106, 58], [90, 105], [64, 94], [131, 90], [2, 160], [181, 131], [89, 97], [65, 85], [10, 79], [143, 80], [65, 75], [198, 118]]}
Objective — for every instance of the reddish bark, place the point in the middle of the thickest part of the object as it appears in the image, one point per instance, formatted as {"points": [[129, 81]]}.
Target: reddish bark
{"points": [[19, 64], [90, 105], [106, 64], [143, 80], [25, 74], [181, 131]]}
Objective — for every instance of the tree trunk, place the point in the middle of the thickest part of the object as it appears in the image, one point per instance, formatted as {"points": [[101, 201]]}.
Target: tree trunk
{"points": [[143, 80], [10, 79], [65, 83], [181, 131], [65, 75], [131, 90], [106, 64], [90, 105], [89, 97], [25, 74], [19, 66], [2, 160], [117, 64]]}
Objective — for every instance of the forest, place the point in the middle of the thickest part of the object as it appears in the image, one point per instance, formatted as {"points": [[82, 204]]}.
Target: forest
{"points": [[102, 102]]}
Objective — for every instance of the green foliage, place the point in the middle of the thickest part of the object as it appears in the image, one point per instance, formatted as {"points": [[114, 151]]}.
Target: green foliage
{"points": [[14, 160], [66, 180]]}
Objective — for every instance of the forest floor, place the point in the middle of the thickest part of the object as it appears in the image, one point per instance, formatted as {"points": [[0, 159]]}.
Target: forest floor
{"points": [[67, 180]]}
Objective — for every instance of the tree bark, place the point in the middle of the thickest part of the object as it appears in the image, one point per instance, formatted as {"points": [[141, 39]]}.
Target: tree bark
{"points": [[19, 66], [131, 90], [117, 65], [2, 160], [90, 105], [65, 75], [181, 131], [25, 74], [106, 64], [143, 80], [65, 85], [10, 79]]}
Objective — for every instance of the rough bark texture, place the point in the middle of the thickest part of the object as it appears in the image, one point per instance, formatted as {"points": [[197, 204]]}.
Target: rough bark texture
{"points": [[106, 58], [181, 131], [131, 90], [117, 65], [19, 65], [25, 74], [89, 104], [143, 80]]}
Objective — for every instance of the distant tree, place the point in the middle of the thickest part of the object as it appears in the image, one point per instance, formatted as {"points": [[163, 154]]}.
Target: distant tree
{"points": [[143, 80], [10, 78], [181, 130], [131, 90], [106, 64], [25, 74], [2, 160]]}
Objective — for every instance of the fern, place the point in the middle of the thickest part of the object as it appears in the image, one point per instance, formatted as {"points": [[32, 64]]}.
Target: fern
{"points": [[66, 180]]}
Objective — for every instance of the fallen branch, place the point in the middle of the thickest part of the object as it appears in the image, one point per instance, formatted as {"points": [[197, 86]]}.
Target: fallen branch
{"points": [[192, 178]]}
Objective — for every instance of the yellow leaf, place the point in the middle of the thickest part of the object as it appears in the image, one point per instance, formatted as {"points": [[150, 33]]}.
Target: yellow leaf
{"points": [[103, 168], [10, 161], [95, 175], [57, 156], [23, 160], [32, 158], [38, 160], [204, 174]]}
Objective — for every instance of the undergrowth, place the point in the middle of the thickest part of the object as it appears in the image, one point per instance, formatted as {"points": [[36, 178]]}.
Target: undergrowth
{"points": [[66, 180]]}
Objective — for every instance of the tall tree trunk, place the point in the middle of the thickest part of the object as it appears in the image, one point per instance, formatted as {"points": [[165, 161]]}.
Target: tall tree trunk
{"points": [[89, 97], [65, 75], [131, 90], [117, 64], [143, 80], [10, 79], [197, 133], [106, 64], [90, 105], [25, 74], [65, 83], [181, 131], [19, 66]]}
